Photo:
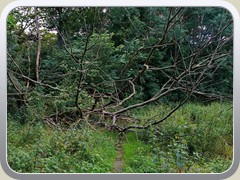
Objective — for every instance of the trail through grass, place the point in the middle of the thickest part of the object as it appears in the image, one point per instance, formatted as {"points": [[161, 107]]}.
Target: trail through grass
{"points": [[196, 139], [118, 165]]}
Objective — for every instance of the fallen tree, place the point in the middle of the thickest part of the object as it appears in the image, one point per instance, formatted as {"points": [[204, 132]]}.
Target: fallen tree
{"points": [[108, 74]]}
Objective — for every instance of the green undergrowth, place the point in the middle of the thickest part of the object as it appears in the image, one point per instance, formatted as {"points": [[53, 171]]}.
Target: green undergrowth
{"points": [[41, 149], [196, 139]]}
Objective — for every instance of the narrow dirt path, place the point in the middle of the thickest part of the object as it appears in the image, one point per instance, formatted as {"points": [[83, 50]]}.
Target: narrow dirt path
{"points": [[118, 165]]}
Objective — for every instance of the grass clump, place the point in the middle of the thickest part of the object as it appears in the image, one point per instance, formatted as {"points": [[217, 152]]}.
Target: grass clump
{"points": [[137, 156]]}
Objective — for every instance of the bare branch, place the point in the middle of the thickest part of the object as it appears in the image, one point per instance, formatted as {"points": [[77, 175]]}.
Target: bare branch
{"points": [[157, 121]]}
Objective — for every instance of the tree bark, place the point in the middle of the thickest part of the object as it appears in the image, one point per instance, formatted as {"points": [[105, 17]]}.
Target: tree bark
{"points": [[39, 44]]}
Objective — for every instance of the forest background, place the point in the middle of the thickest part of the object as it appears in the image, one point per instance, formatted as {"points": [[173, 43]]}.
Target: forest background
{"points": [[157, 81]]}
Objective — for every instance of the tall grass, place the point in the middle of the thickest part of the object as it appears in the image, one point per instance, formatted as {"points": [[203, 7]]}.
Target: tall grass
{"points": [[197, 138]]}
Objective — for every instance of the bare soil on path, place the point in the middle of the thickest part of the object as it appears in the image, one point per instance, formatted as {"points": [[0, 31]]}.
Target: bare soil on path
{"points": [[118, 165]]}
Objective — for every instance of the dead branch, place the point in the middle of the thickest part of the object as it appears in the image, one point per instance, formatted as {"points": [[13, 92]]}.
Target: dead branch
{"points": [[157, 121], [130, 96]]}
